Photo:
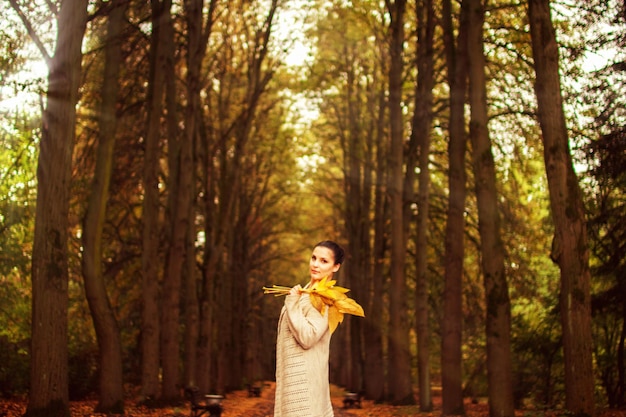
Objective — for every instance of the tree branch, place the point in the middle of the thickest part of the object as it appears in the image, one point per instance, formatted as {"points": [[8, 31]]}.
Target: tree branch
{"points": [[53, 8], [31, 32]]}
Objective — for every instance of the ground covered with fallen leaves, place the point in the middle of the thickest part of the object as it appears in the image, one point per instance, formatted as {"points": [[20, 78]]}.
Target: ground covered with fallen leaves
{"points": [[240, 404]]}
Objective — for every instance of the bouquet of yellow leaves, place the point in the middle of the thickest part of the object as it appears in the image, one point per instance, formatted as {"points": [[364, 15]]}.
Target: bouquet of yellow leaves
{"points": [[323, 294]]}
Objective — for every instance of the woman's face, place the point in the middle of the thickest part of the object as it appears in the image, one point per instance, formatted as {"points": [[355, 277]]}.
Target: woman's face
{"points": [[322, 263]]}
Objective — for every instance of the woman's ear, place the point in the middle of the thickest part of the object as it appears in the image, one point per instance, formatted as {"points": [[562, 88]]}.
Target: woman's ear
{"points": [[336, 267]]}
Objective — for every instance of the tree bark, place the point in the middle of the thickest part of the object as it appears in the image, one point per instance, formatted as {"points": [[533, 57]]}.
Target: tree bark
{"points": [[106, 326], [198, 32], [191, 305], [182, 174], [150, 328], [399, 375], [49, 344], [451, 326], [498, 314], [569, 248], [374, 324], [223, 168], [213, 248], [356, 211], [422, 128]]}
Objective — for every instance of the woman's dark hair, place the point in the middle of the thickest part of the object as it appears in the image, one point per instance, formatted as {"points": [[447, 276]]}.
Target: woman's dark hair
{"points": [[335, 247]]}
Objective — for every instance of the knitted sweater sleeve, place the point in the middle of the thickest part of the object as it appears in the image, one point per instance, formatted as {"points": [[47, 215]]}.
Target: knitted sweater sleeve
{"points": [[305, 322]]}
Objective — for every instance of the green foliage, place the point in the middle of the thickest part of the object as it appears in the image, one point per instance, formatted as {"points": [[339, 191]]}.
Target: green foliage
{"points": [[603, 154], [18, 158], [17, 205], [18, 161], [11, 43], [607, 227], [536, 347]]}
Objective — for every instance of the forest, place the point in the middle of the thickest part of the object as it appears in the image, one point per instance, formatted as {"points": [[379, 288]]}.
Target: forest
{"points": [[162, 161]]}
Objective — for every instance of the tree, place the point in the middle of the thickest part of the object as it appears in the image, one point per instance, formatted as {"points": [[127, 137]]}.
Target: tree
{"points": [[347, 74], [241, 70], [181, 197], [105, 323], [150, 327], [399, 375], [198, 32], [605, 190], [357, 197], [375, 323], [349, 78], [451, 326], [422, 127], [607, 227], [49, 380], [498, 320], [569, 247]]}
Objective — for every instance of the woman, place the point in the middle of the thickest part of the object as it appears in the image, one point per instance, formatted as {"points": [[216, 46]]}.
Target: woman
{"points": [[303, 342]]}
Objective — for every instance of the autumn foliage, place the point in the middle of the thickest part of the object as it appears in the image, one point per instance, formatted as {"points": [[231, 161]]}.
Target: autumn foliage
{"points": [[325, 293], [241, 404]]}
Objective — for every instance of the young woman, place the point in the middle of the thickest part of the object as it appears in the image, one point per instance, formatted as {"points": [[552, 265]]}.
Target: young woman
{"points": [[302, 345]]}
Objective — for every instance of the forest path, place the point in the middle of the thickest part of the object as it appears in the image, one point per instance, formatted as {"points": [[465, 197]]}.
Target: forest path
{"points": [[239, 404], [236, 404]]}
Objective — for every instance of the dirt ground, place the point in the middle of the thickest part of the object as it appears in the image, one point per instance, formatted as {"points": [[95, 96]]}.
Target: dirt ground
{"points": [[240, 404]]}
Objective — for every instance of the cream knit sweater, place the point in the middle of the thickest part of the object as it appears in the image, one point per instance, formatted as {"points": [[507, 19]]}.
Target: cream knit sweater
{"points": [[302, 349]]}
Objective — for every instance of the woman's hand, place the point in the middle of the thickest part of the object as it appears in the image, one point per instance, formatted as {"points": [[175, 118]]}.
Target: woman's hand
{"points": [[296, 290]]}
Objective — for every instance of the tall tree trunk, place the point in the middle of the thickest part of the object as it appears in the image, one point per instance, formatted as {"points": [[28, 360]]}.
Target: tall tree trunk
{"points": [[230, 185], [422, 127], [198, 32], [239, 270], [354, 217], [451, 326], [183, 175], [399, 375], [105, 323], [207, 301], [374, 384], [259, 73], [150, 328], [364, 244], [569, 247], [621, 377], [207, 306], [191, 303], [214, 235], [49, 355], [498, 314]]}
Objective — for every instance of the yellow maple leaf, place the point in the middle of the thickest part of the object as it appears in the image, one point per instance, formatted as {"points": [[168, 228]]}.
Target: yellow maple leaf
{"points": [[327, 289], [318, 302], [334, 318], [349, 306], [325, 293]]}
